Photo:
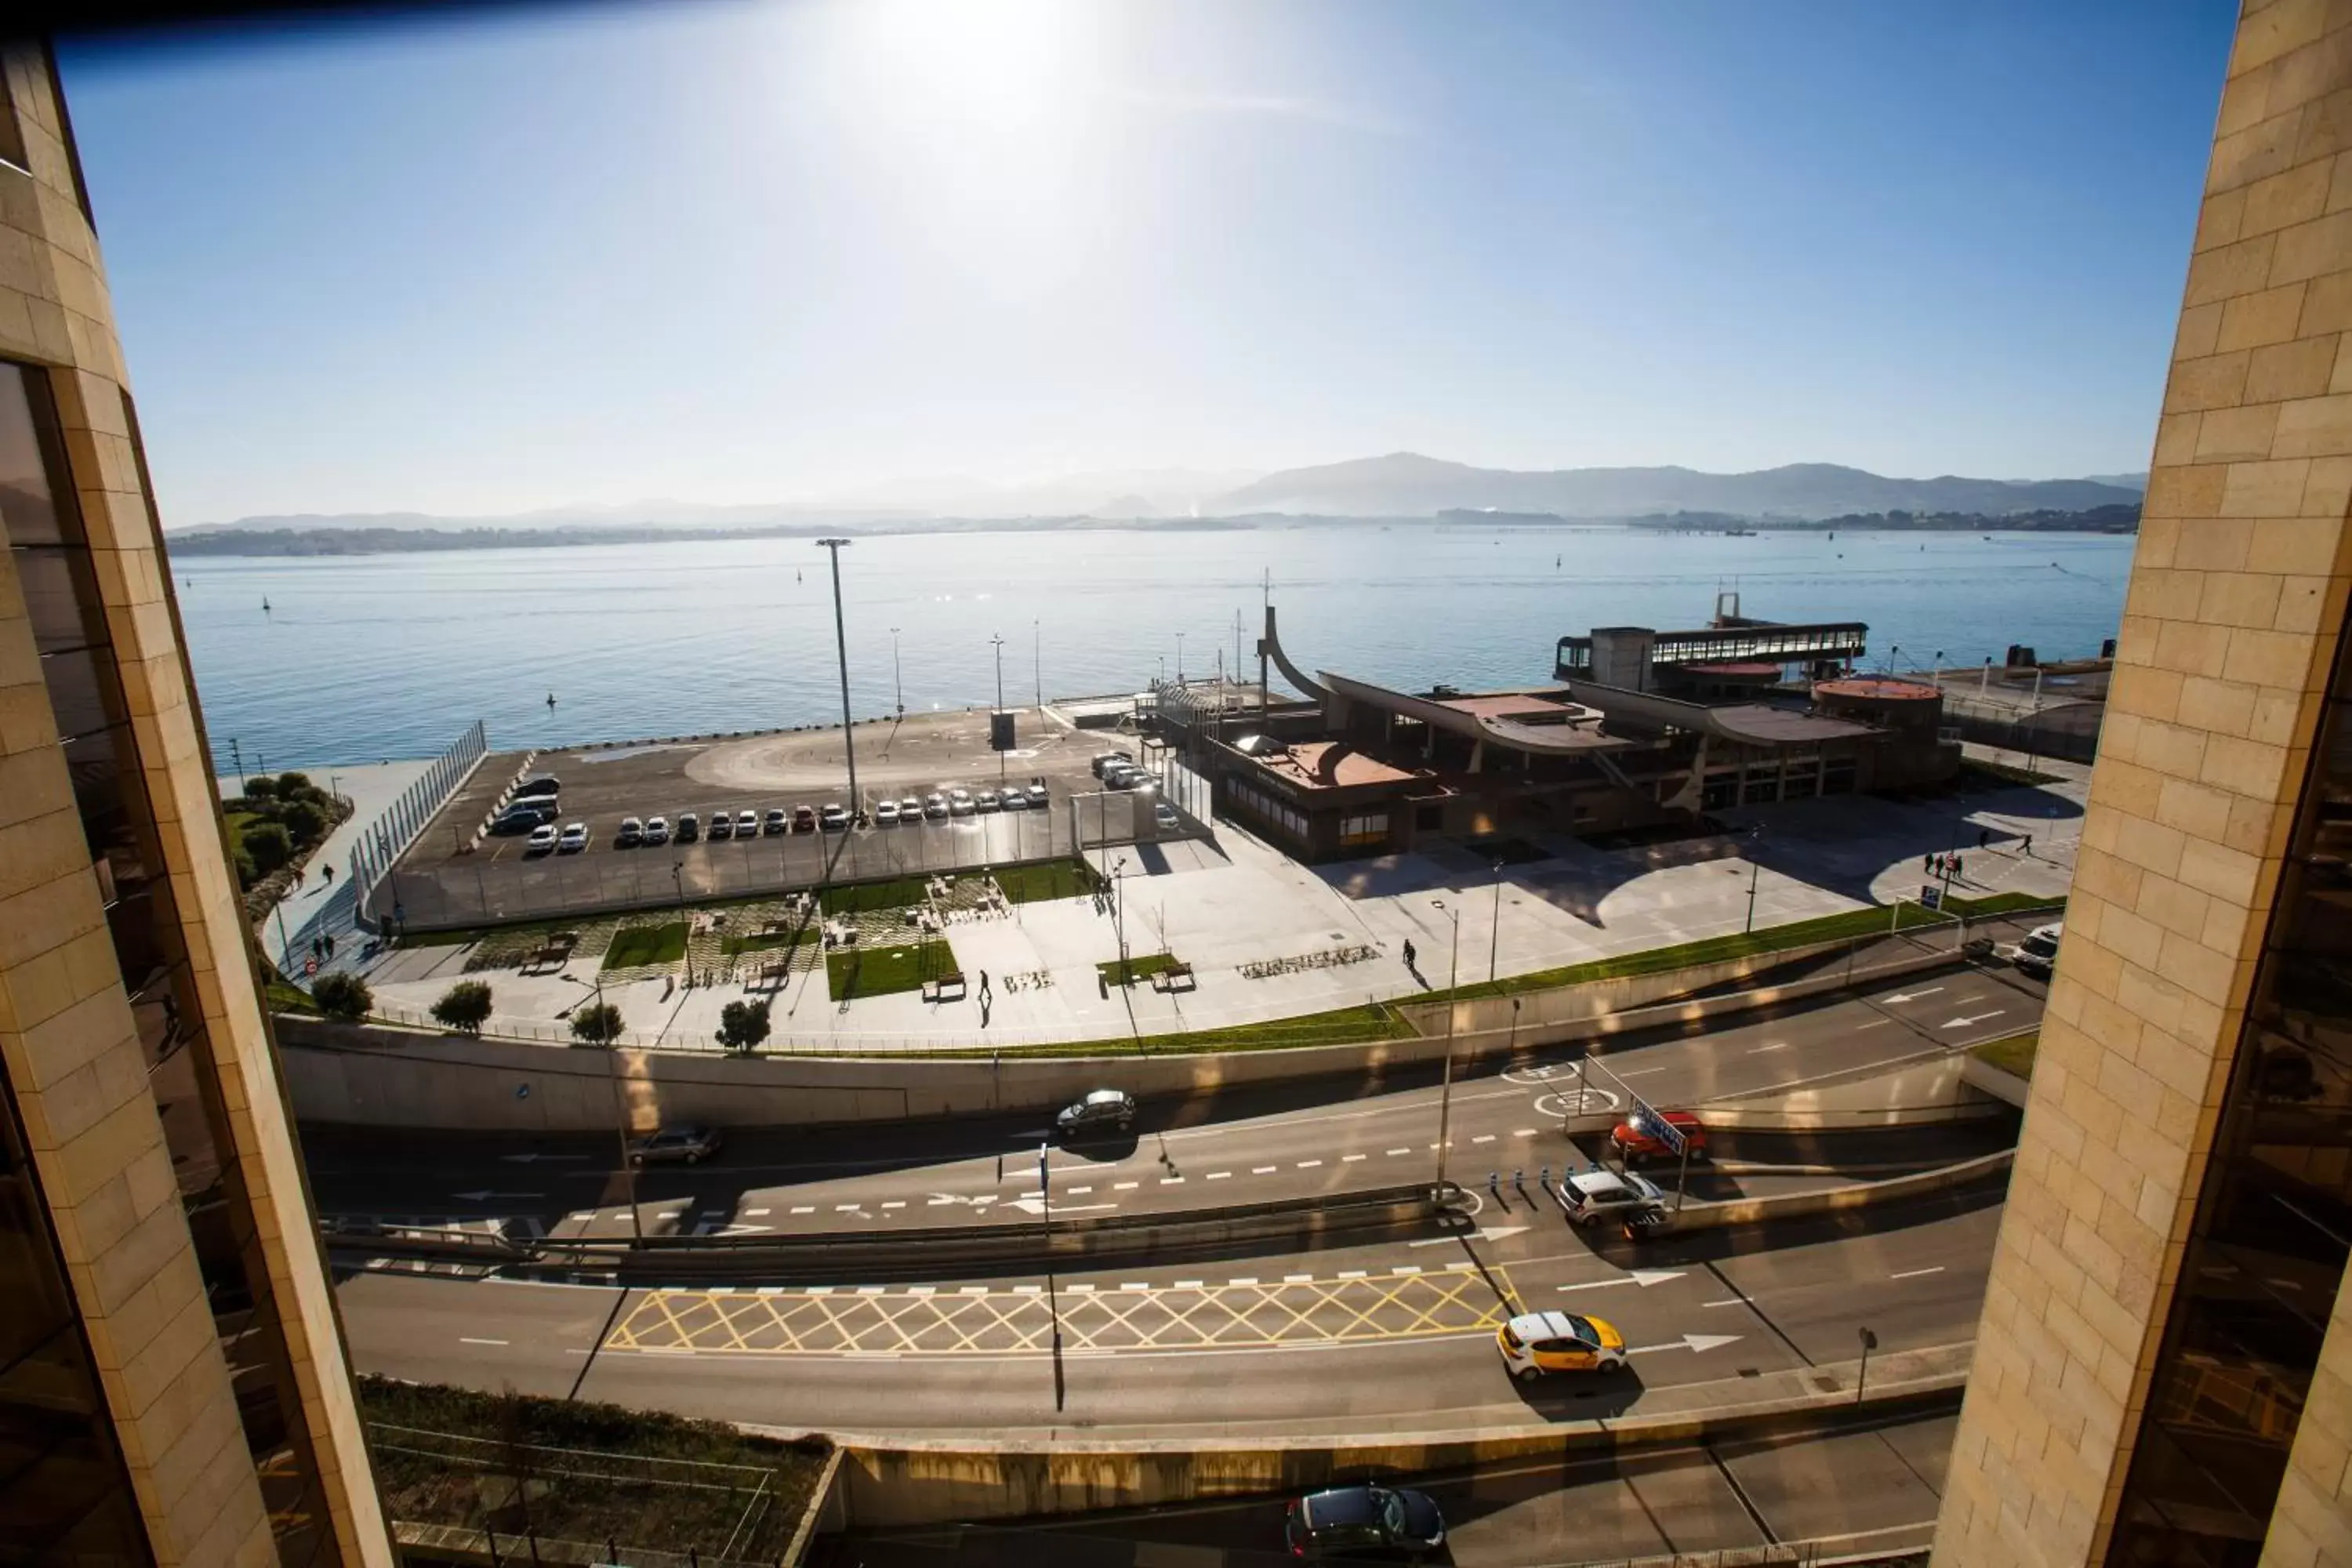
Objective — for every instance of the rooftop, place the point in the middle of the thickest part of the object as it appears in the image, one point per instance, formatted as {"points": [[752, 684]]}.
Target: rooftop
{"points": [[1329, 765]]}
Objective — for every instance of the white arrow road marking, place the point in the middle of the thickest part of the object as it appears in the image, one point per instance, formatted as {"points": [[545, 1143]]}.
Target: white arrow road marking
{"points": [[744, 1229], [485, 1196], [1688, 1342], [527, 1159], [1978, 1018], [1491, 1233], [1645, 1277], [1901, 996]]}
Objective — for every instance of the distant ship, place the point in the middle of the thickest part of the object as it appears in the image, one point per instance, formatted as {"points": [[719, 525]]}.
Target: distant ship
{"points": [[1740, 533]]}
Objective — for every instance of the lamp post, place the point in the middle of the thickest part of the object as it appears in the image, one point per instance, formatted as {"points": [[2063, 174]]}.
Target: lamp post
{"points": [[1453, 1006], [1495, 937], [897, 682], [841, 647], [1180, 659], [998, 639], [1754, 871], [677, 877], [1939, 676], [238, 757], [1037, 661], [1119, 912]]}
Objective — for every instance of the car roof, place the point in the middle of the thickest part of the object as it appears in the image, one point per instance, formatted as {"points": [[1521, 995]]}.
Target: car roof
{"points": [[1597, 1181], [1342, 1505], [1104, 1096], [1553, 1326], [2052, 930]]}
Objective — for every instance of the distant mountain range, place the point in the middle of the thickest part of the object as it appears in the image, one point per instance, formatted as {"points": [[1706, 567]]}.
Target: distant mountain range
{"points": [[1406, 484], [1402, 486]]}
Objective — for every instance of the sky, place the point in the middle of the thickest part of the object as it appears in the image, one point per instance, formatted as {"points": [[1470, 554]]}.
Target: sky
{"points": [[836, 249]]}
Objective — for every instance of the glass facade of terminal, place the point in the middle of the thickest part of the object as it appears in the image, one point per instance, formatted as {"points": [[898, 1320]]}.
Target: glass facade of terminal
{"points": [[2273, 1221], [53, 561]]}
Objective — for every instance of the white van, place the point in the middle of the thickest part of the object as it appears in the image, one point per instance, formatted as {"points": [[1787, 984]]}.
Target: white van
{"points": [[2038, 954]]}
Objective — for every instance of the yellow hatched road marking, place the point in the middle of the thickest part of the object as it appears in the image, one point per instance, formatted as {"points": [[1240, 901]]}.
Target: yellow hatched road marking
{"points": [[899, 1321]]}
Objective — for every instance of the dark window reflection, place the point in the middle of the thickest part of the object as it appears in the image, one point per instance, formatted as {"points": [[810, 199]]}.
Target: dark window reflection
{"points": [[2273, 1224]]}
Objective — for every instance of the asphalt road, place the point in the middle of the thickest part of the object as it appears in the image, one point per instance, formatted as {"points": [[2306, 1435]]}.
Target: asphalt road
{"points": [[1872, 1486], [1398, 1336], [1251, 1145]]}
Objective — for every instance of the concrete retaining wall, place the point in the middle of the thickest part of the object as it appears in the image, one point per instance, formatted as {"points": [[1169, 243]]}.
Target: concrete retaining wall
{"points": [[381, 1077], [1836, 1200], [1999, 1083]]}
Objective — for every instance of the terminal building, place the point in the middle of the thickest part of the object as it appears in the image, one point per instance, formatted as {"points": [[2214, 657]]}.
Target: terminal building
{"points": [[1637, 728]]}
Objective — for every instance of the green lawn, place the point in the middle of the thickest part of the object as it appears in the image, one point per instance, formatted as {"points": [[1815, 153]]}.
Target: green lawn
{"points": [[2013, 1054], [880, 970], [764, 942], [859, 898], [2000, 904], [1053, 879], [634, 946], [1140, 966]]}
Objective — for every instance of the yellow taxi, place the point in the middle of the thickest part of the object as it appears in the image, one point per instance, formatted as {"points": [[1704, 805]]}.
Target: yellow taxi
{"points": [[1537, 1343]]}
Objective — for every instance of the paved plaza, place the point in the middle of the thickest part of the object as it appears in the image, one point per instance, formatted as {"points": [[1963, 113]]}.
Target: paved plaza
{"points": [[1268, 938]]}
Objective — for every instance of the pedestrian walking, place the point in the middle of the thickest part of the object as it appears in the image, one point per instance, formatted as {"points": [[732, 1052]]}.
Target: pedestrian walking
{"points": [[1928, 865], [2029, 847], [330, 940], [1984, 839], [1407, 954], [326, 871]]}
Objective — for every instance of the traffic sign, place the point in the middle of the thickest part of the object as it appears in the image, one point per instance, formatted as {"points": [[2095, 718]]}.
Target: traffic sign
{"points": [[1931, 897]]}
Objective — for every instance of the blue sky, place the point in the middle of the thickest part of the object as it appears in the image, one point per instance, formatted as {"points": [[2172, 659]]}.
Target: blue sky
{"points": [[736, 253]]}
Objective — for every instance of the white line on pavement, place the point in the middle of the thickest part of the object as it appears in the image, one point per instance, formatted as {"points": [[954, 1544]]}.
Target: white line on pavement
{"points": [[1399, 1152], [1916, 1273], [1171, 1181], [1263, 1169], [1077, 1191], [1350, 1159], [467, 1342], [1122, 1186], [1217, 1176], [1308, 1165]]}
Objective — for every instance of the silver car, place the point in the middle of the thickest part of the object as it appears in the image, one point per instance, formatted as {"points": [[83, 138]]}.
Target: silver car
{"points": [[685, 1145]]}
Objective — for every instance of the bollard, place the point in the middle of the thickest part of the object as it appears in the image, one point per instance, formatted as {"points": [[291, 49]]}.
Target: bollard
{"points": [[1543, 1178]]}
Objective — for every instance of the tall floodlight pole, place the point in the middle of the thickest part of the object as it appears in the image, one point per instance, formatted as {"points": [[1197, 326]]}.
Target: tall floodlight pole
{"points": [[1453, 1006], [1037, 661], [1180, 659], [897, 681], [998, 639], [1495, 937], [841, 647], [239, 757]]}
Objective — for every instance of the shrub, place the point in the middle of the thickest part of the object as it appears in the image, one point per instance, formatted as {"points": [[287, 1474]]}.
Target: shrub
{"points": [[304, 821], [260, 787], [598, 1024], [270, 845], [297, 787], [248, 873], [344, 997], [465, 1005], [742, 1024]]}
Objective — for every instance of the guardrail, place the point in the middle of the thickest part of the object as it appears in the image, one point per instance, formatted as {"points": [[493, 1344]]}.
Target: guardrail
{"points": [[826, 1257]]}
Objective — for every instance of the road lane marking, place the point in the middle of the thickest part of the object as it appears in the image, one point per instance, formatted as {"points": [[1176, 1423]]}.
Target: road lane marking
{"points": [[1484, 1138], [1406, 1269], [1354, 1273], [1916, 1273], [976, 1290], [1523, 1133], [1123, 1187], [755, 1213], [1243, 1280], [471, 1342], [895, 1204], [1080, 1192], [1875, 1024], [1171, 1181], [1766, 1051], [1399, 1152], [1188, 1284], [1726, 1301], [847, 1208], [1350, 1159], [1218, 1176], [1645, 1072], [1308, 1165]]}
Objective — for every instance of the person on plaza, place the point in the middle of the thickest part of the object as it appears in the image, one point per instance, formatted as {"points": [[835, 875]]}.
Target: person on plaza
{"points": [[1407, 954], [326, 871], [2029, 847]]}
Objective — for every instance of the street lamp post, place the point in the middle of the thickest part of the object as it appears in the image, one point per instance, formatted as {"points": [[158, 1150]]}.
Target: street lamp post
{"points": [[238, 756], [1453, 1008], [841, 647], [1755, 872], [998, 640], [677, 877], [1037, 661], [1119, 912], [897, 682], [1495, 937], [1180, 659]]}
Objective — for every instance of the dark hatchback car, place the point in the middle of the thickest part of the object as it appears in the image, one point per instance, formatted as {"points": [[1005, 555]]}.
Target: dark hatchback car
{"points": [[1104, 1110], [1379, 1523], [675, 1146]]}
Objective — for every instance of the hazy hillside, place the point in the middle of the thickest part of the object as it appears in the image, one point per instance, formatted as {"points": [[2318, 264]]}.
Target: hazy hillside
{"points": [[1405, 483]]}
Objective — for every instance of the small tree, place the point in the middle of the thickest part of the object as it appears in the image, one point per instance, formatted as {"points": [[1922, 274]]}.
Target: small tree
{"points": [[270, 845], [465, 1005], [742, 1024], [247, 874], [297, 787], [343, 996], [598, 1024], [303, 822], [260, 787]]}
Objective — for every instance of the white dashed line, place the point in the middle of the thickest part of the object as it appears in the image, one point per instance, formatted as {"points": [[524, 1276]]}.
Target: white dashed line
{"points": [[1217, 1176], [1726, 1301], [1523, 1133], [979, 1290], [1916, 1273], [1484, 1138], [1263, 1169], [1188, 1284], [1037, 1290], [872, 1291], [936, 1202], [922, 1290], [1299, 1279], [1766, 1050], [1079, 1289], [1406, 1269], [1308, 1165], [1399, 1152], [1123, 1187], [1075, 1191], [1171, 1181], [1350, 1159], [847, 1208], [1463, 1267], [805, 1208], [820, 1290], [467, 1342], [755, 1213], [1135, 1285], [1353, 1273], [1243, 1280], [1641, 1072], [895, 1204]]}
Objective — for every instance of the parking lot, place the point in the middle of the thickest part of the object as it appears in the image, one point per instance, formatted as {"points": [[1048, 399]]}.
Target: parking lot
{"points": [[446, 878]]}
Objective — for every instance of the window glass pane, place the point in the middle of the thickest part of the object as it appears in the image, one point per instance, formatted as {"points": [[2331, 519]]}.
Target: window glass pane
{"points": [[82, 690], [29, 456], [60, 596]]}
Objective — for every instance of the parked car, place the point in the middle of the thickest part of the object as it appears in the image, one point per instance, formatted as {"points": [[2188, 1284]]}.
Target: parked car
{"points": [[721, 826], [545, 784], [833, 817], [803, 819], [1102, 1110], [1107, 758], [747, 824], [511, 823], [935, 806], [2038, 954], [986, 801], [1351, 1523], [1123, 776], [656, 829], [1638, 1141], [1014, 800], [776, 821], [1537, 1343], [1592, 1197], [1036, 792], [690, 827], [543, 839], [1164, 817], [960, 802], [684, 1145], [573, 838], [631, 832], [886, 813]]}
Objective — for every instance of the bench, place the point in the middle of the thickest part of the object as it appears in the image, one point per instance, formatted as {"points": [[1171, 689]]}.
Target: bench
{"points": [[1175, 977], [948, 987]]}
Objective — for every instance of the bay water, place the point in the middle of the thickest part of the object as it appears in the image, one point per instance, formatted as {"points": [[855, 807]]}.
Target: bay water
{"points": [[361, 658]]}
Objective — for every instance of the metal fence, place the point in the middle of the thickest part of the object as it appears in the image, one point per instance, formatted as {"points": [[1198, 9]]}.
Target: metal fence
{"points": [[382, 841], [475, 890]]}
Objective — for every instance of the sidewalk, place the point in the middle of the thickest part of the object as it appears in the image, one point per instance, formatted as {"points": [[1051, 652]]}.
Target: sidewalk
{"points": [[322, 908]]}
